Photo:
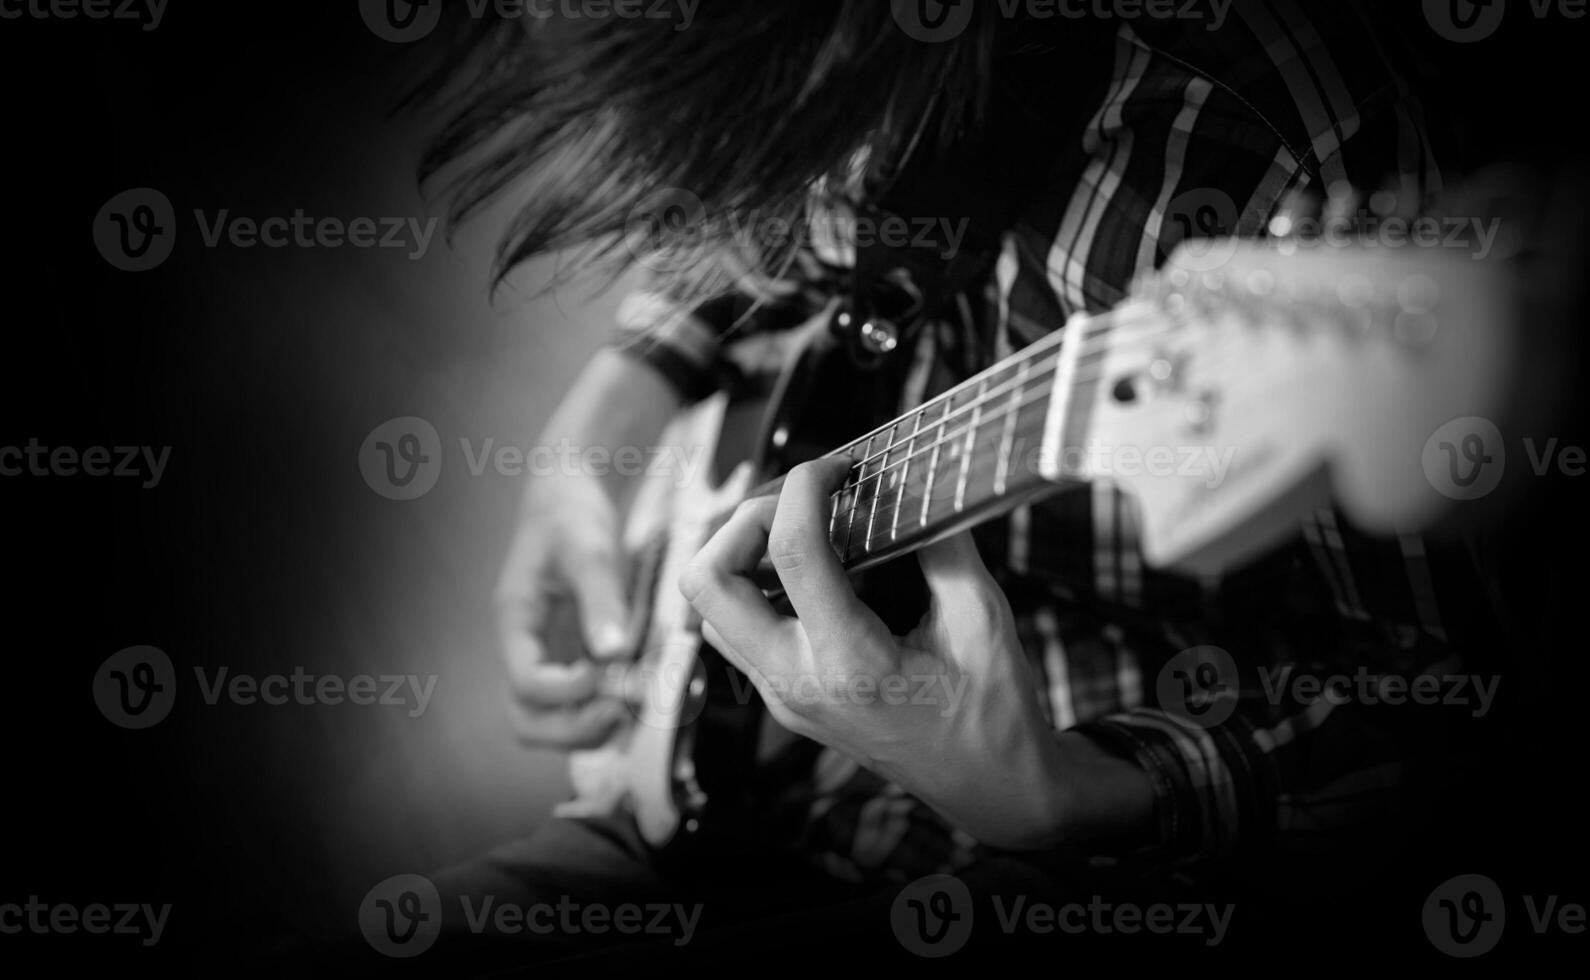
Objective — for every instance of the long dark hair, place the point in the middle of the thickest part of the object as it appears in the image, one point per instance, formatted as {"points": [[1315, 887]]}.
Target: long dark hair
{"points": [[611, 126]]}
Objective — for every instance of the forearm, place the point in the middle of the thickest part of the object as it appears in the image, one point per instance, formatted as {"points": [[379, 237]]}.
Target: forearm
{"points": [[619, 402], [1076, 793]]}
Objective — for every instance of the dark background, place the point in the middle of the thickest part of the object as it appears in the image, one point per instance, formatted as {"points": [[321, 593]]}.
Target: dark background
{"points": [[264, 549]]}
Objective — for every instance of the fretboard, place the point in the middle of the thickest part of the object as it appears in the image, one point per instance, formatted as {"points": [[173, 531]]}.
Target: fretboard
{"points": [[976, 451]]}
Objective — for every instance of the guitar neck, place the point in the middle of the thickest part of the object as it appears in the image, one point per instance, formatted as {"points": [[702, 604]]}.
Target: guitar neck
{"points": [[968, 455]]}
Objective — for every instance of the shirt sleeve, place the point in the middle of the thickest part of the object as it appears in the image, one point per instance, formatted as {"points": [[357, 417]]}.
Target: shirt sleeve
{"points": [[681, 341], [1283, 761], [686, 339]]}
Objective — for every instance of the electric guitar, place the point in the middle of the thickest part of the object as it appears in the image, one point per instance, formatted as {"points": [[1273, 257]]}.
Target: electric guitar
{"points": [[1229, 399]]}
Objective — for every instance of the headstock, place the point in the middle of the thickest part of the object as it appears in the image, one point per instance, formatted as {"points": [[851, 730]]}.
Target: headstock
{"points": [[1287, 376]]}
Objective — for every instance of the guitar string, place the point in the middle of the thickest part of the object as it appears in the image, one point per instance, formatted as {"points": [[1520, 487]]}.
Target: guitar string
{"points": [[887, 512], [858, 538], [1081, 378], [983, 400], [894, 506], [1032, 356], [959, 433]]}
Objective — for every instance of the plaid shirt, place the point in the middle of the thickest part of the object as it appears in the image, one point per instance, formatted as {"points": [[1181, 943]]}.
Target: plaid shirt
{"points": [[1279, 100]]}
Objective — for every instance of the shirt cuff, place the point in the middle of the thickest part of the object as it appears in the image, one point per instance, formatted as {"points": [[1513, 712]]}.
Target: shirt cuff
{"points": [[672, 339], [1214, 790]]}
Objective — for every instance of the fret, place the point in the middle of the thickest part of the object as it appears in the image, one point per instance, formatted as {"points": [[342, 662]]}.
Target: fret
{"points": [[877, 491], [905, 478], [1057, 416], [971, 444], [855, 496], [933, 464], [1007, 442], [946, 430]]}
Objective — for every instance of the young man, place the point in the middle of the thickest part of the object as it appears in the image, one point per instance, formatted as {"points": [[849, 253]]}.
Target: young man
{"points": [[1079, 151]]}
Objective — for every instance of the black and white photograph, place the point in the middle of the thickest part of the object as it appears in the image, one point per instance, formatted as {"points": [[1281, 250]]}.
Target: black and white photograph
{"points": [[526, 488]]}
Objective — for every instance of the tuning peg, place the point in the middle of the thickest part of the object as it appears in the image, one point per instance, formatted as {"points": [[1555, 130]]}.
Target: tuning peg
{"points": [[1343, 206], [1296, 209]]}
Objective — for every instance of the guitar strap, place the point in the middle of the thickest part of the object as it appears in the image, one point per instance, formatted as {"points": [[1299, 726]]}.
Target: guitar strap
{"points": [[949, 208]]}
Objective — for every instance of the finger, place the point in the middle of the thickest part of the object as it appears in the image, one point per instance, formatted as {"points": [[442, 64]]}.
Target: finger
{"points": [[800, 547], [718, 584], [964, 593], [534, 679], [592, 568], [735, 658], [954, 565], [583, 727]]}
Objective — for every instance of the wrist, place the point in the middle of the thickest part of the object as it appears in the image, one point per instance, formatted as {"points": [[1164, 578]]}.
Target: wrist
{"points": [[1085, 795]]}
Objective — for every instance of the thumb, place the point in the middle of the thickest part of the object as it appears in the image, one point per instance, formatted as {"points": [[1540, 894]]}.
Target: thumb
{"points": [[595, 575]]}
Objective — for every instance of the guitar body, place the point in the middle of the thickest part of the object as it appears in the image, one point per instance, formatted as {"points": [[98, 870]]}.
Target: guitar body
{"points": [[686, 761], [640, 768]]}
